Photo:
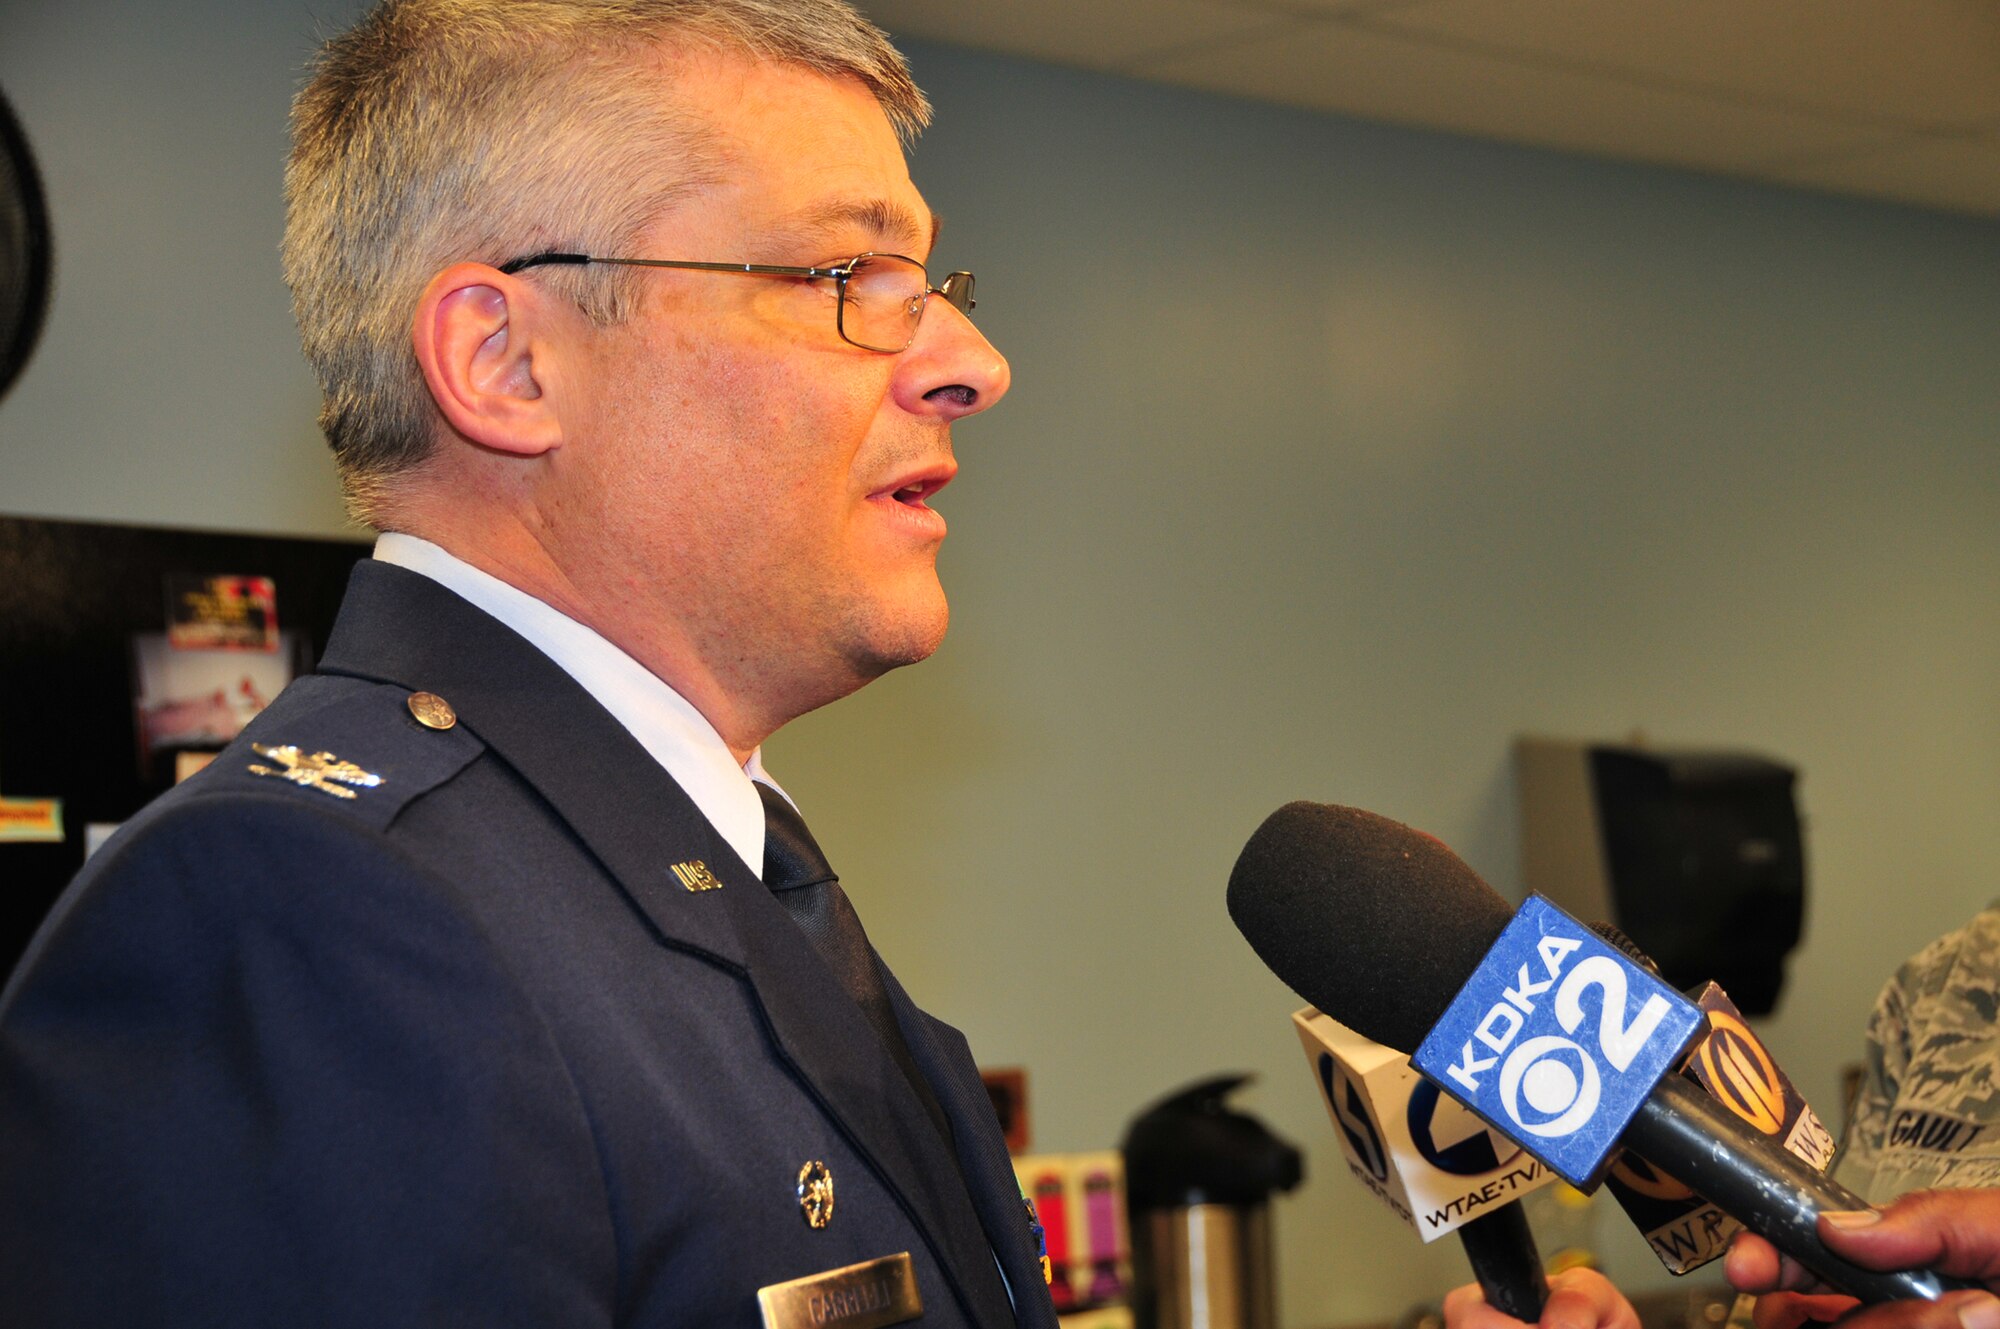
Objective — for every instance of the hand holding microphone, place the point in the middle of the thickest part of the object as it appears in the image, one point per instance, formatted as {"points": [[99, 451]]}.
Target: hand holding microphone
{"points": [[1577, 1299], [1957, 1232], [1954, 1232]]}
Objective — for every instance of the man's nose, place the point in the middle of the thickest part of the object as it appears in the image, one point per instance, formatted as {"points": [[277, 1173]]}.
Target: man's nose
{"points": [[950, 370]]}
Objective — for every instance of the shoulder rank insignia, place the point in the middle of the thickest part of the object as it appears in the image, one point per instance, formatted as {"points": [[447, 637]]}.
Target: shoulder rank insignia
{"points": [[319, 770]]}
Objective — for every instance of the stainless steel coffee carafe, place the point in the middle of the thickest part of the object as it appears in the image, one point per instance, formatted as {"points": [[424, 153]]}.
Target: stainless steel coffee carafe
{"points": [[1199, 1179]]}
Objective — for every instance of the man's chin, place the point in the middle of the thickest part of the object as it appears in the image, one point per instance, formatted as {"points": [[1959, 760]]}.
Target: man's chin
{"points": [[907, 635]]}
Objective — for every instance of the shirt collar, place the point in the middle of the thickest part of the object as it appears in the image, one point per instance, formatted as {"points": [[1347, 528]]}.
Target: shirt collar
{"points": [[677, 735]]}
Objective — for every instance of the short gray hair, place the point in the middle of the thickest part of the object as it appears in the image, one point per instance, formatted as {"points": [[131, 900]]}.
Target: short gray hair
{"points": [[437, 131]]}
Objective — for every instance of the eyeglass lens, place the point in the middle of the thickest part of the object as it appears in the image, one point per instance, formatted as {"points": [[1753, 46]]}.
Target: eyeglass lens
{"points": [[883, 300]]}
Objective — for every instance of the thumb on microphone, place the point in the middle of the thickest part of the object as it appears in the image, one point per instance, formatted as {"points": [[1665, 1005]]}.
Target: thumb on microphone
{"points": [[1951, 1232]]}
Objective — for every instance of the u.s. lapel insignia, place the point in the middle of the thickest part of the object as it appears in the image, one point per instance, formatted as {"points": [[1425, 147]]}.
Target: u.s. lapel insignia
{"points": [[696, 877], [816, 1194], [319, 770]]}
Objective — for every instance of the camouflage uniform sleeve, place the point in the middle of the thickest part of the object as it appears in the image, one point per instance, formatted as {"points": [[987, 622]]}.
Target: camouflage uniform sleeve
{"points": [[1930, 1064]]}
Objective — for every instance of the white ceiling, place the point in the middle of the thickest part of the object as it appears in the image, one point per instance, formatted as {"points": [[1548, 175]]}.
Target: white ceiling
{"points": [[1892, 99]]}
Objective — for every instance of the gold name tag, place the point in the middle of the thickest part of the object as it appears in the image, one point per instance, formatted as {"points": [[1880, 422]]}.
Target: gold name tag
{"points": [[861, 1296]]}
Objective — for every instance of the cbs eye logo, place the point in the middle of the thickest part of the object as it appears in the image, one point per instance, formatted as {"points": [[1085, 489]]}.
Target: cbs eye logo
{"points": [[1550, 1086]]}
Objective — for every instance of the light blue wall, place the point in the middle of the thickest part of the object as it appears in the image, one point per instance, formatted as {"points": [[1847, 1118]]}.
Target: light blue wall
{"points": [[168, 388], [1337, 456]]}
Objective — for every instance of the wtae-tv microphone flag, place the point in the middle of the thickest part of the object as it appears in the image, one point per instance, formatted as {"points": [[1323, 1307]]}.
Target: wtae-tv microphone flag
{"points": [[1432, 1162], [1557, 1038]]}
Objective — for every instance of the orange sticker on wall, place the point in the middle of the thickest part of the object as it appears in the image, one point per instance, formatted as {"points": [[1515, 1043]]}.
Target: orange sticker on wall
{"points": [[31, 820]]}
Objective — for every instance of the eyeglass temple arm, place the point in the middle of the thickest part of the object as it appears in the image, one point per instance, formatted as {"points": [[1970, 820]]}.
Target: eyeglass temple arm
{"points": [[957, 293], [580, 260], [513, 266], [950, 289]]}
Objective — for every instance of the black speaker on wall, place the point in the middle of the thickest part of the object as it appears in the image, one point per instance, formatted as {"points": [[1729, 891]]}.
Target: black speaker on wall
{"points": [[1697, 854]]}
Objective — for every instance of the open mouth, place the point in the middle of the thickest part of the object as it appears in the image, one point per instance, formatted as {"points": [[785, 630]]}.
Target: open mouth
{"points": [[914, 494], [914, 488]]}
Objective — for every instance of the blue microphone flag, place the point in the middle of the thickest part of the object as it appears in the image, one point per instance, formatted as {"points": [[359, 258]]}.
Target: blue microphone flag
{"points": [[1556, 1040]]}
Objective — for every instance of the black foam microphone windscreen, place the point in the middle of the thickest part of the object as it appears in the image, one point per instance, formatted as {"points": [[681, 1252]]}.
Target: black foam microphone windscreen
{"points": [[1377, 925], [1372, 922]]}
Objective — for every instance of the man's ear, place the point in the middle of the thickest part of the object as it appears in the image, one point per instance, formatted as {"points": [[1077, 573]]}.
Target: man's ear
{"points": [[485, 357]]}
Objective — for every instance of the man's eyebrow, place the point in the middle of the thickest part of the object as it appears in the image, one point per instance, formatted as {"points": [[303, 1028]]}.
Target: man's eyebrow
{"points": [[898, 225]]}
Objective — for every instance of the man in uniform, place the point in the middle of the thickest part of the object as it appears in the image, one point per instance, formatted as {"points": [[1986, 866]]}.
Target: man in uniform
{"points": [[450, 993]]}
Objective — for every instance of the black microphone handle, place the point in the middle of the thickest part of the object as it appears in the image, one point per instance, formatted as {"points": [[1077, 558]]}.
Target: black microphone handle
{"points": [[1501, 1249], [1701, 1144]]}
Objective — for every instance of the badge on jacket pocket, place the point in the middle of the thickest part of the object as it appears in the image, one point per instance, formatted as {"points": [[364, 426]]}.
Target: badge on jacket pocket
{"points": [[868, 1295]]}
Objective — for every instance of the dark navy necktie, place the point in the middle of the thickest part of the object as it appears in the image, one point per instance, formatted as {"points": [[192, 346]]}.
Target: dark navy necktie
{"points": [[805, 884]]}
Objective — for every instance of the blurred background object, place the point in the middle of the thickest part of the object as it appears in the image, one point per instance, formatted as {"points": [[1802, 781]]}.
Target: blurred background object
{"points": [[26, 254]]}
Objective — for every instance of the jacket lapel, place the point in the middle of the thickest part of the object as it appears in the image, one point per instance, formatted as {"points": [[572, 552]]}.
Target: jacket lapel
{"points": [[399, 627], [946, 1060]]}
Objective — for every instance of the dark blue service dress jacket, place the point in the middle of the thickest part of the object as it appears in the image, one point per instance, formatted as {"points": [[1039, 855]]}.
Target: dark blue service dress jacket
{"points": [[464, 1048]]}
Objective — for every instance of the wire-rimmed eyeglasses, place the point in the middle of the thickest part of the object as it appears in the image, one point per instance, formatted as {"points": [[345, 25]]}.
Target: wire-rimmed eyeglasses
{"points": [[881, 296]]}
